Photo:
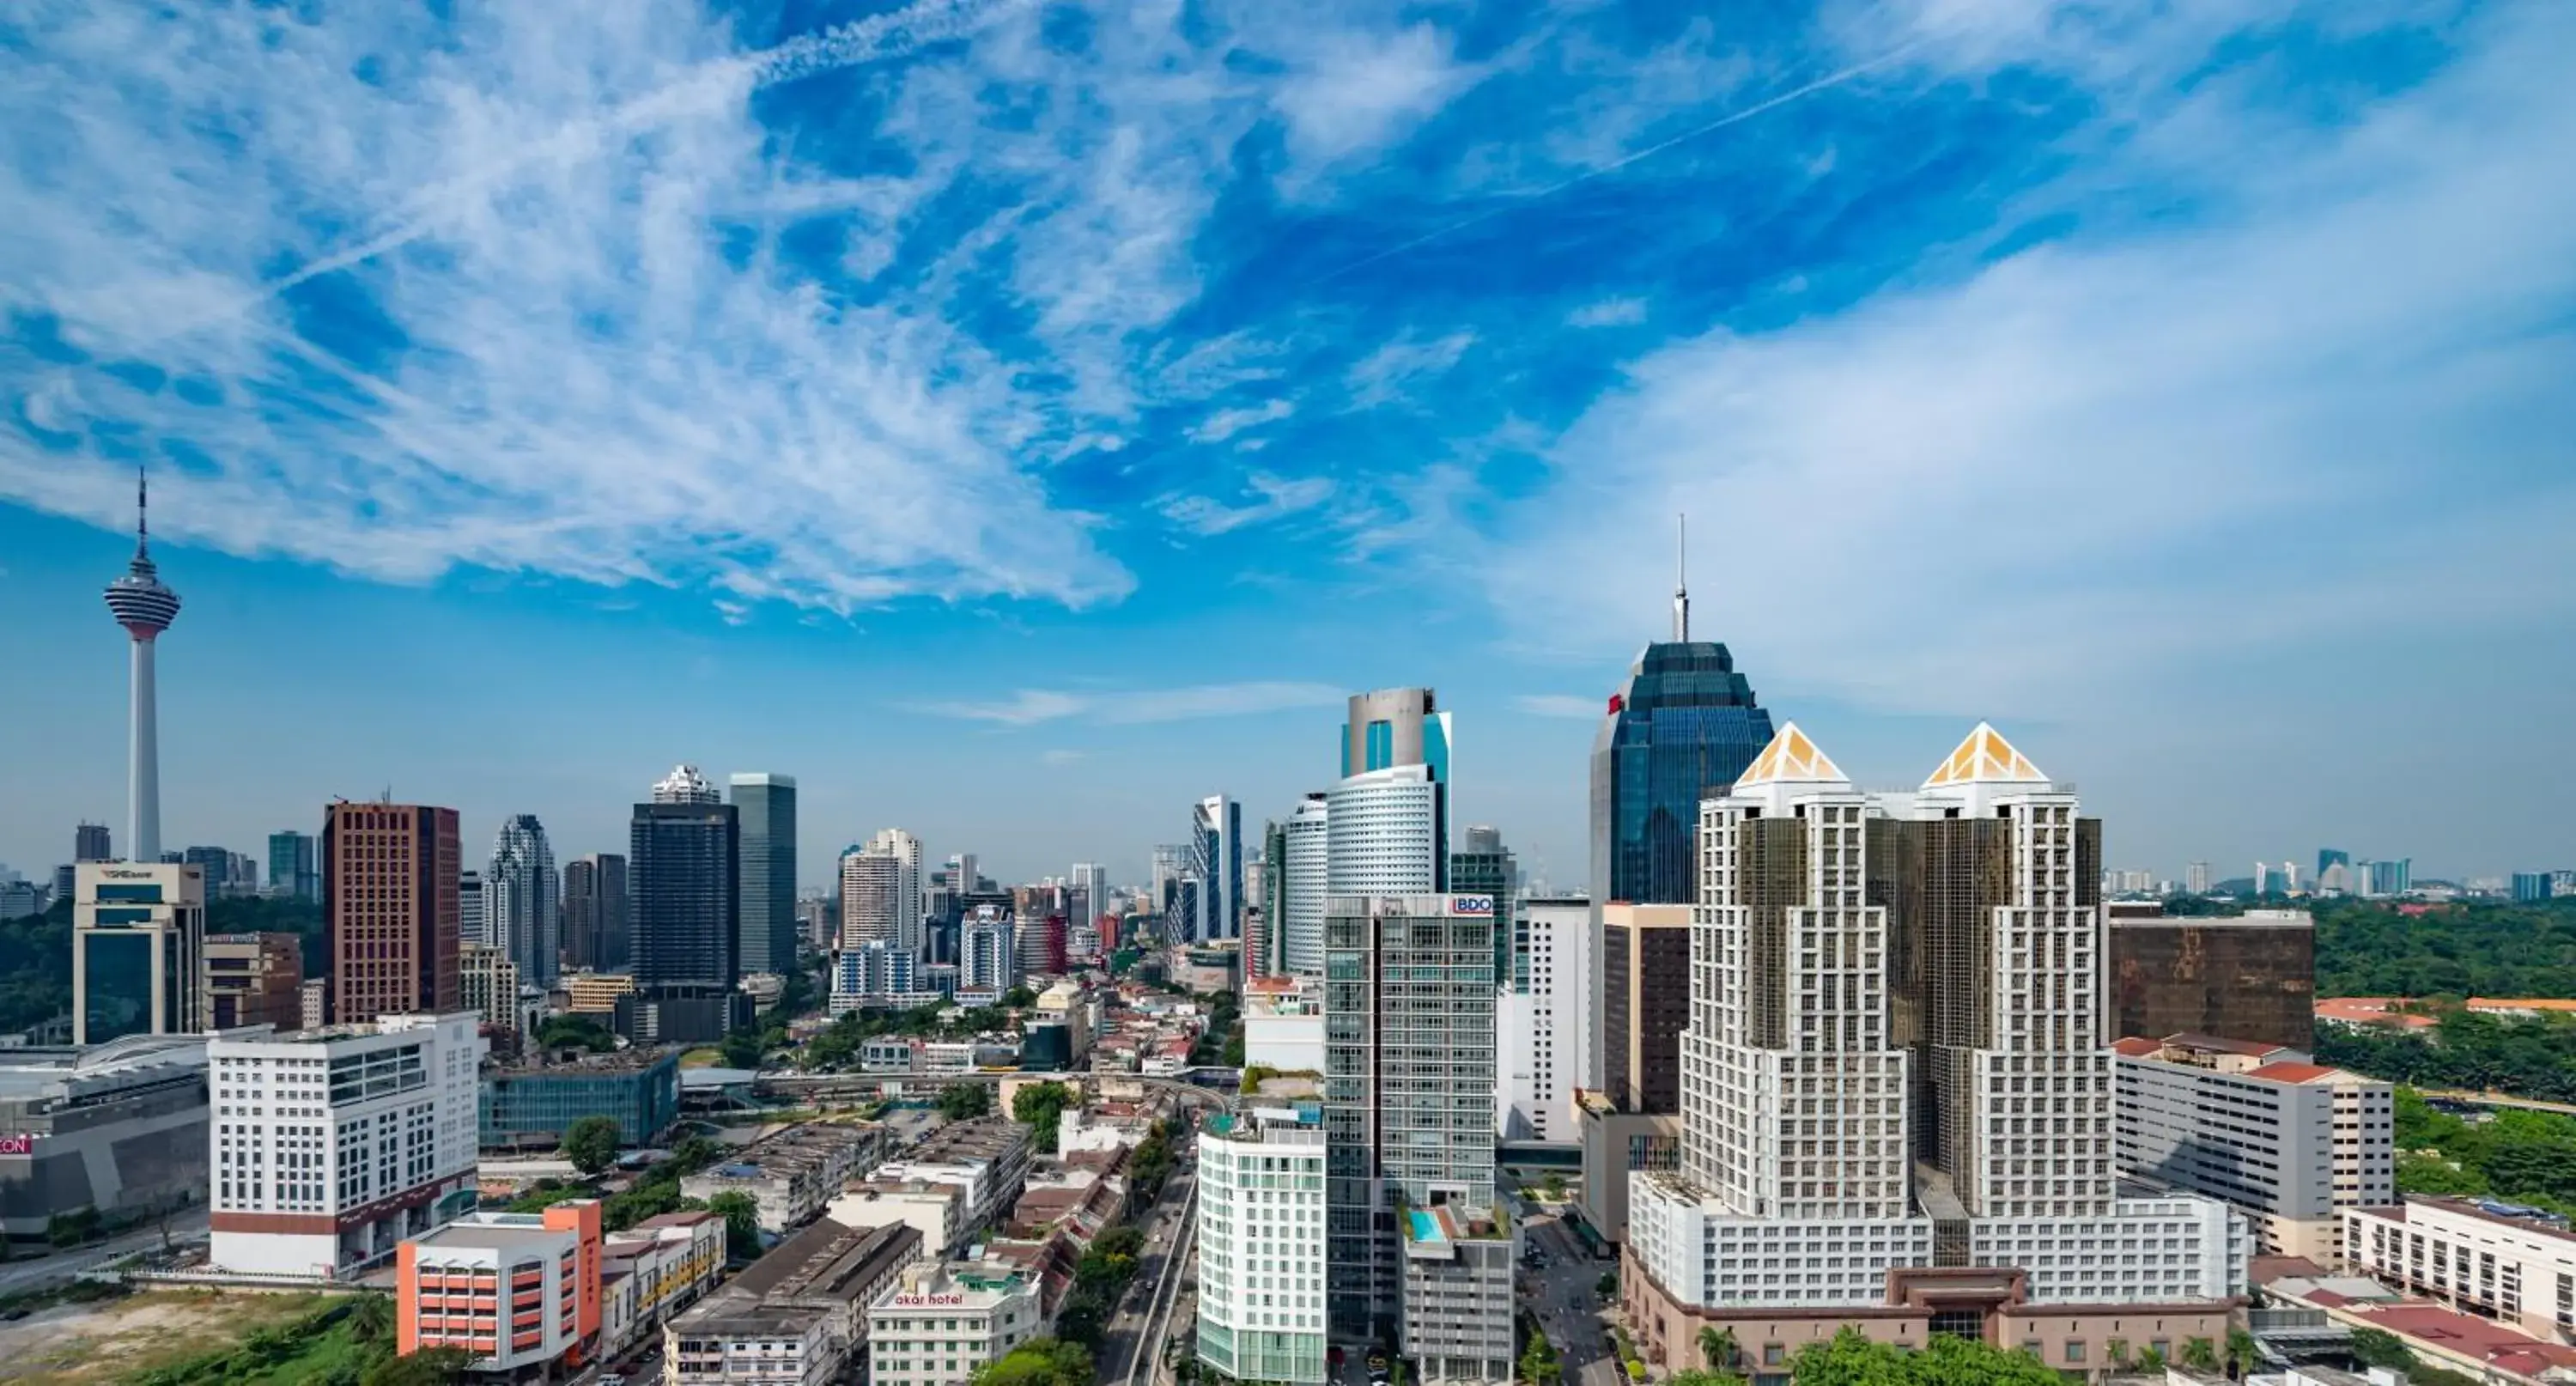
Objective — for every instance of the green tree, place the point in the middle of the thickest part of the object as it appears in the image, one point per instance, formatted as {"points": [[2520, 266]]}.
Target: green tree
{"points": [[2242, 1353], [1608, 1284], [1019, 998], [742, 1048], [1850, 1359], [2200, 1354], [2151, 1361], [371, 1318], [1041, 1107], [1038, 1362], [965, 1101], [428, 1367], [1717, 1348], [742, 1223], [591, 1144], [1553, 1185]]}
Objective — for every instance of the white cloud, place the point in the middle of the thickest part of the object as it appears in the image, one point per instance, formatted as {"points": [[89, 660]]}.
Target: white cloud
{"points": [[1609, 312], [1559, 705], [1385, 374], [1279, 497], [2021, 489], [1225, 423], [1355, 91], [1061, 757], [1033, 706]]}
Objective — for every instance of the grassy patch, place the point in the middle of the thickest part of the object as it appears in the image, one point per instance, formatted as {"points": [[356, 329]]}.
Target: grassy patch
{"points": [[96, 1344], [702, 1058]]}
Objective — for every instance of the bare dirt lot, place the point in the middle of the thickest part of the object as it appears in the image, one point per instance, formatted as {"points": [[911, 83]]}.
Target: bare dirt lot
{"points": [[89, 1344]]}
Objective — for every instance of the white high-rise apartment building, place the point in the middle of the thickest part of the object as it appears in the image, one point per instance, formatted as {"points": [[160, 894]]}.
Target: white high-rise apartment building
{"points": [[1091, 880], [988, 954], [905, 849], [1261, 1247], [1541, 1032], [871, 898], [473, 920], [1896, 1095], [1308, 880], [331, 1146], [523, 900]]}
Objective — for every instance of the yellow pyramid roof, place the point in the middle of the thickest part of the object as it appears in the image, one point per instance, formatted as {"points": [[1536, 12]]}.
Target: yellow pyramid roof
{"points": [[1790, 756], [1984, 756]]}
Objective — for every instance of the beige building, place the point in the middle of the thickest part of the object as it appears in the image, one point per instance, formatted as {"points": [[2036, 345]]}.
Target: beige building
{"points": [[940, 1321], [254, 979], [488, 983], [797, 1317], [596, 993], [2477, 1256]]}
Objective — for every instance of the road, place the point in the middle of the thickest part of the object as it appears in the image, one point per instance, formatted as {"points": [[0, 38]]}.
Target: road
{"points": [[38, 1272], [1131, 1339], [2497, 1099], [1568, 1303]]}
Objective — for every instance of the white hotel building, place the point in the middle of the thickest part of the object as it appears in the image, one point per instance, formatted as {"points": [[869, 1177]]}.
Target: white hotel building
{"points": [[1852, 956], [1261, 1246], [331, 1146]]}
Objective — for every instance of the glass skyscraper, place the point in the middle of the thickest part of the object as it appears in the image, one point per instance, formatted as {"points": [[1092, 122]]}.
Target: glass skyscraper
{"points": [[683, 866], [1684, 728], [765, 809]]}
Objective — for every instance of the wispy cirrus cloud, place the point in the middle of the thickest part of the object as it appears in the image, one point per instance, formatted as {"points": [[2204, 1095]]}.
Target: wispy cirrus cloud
{"points": [[1609, 312], [1036, 706], [1388, 373], [1278, 497]]}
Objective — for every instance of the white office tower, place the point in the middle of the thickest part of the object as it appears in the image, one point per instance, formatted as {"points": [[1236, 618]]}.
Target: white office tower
{"points": [[871, 898], [1896, 1096], [905, 849], [331, 1146], [522, 900], [1382, 834], [1091, 882], [684, 785], [1261, 1246], [1542, 1032], [473, 919], [1308, 879], [987, 953]]}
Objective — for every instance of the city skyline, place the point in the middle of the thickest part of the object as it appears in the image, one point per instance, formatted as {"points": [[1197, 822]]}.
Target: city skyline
{"points": [[1249, 367]]}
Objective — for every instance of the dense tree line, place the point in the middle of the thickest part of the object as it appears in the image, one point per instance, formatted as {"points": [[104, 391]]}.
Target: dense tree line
{"points": [[2523, 1157], [2479, 948], [36, 952], [2479, 1053]]}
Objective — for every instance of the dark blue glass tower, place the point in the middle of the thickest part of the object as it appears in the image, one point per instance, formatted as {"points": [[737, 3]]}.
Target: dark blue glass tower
{"points": [[1684, 727]]}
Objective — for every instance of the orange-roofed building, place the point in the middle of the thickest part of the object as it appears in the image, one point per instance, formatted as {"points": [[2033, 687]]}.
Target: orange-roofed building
{"points": [[517, 1290], [2290, 1141], [2353, 1012]]}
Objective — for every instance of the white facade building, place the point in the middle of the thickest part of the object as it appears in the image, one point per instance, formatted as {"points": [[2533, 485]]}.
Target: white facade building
{"points": [[2475, 1255], [1309, 879], [988, 956], [332, 1146], [1261, 1247], [1283, 1024], [905, 849], [871, 894], [1542, 1032], [1383, 834], [938, 1322]]}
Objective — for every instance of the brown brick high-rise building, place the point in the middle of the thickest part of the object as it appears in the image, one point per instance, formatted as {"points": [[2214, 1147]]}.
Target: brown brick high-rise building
{"points": [[1645, 1002], [389, 904], [254, 979]]}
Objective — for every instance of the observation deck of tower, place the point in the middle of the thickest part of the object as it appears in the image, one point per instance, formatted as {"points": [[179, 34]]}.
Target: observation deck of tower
{"points": [[140, 601]]}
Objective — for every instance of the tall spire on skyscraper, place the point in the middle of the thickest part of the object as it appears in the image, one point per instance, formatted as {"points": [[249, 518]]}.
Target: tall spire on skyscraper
{"points": [[1681, 580], [145, 607]]}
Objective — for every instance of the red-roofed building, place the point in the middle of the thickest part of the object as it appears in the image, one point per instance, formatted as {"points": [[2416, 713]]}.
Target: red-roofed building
{"points": [[2354, 1012], [2287, 1140], [2487, 1258]]}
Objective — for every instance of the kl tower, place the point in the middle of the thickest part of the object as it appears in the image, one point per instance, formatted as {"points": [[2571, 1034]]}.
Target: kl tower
{"points": [[145, 608]]}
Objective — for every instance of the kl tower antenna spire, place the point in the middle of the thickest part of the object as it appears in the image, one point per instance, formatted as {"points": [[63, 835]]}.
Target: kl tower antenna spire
{"points": [[1681, 580]]}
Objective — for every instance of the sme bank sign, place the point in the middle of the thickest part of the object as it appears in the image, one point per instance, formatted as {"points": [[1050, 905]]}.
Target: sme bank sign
{"points": [[1480, 906]]}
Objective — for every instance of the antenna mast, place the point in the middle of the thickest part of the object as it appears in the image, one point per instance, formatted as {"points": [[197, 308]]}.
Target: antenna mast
{"points": [[1681, 580]]}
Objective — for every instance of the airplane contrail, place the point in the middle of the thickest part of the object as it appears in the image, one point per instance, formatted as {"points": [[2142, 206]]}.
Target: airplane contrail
{"points": [[877, 37], [1824, 83]]}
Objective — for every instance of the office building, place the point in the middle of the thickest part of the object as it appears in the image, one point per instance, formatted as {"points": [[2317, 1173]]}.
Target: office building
{"points": [[988, 955], [596, 993], [904, 850], [390, 909], [145, 607], [487, 983], [2530, 887], [1545, 1023], [1682, 728], [313, 1003], [1261, 1246], [90, 842], [878, 974], [332, 1146], [253, 979], [2479, 1256], [595, 927], [2249, 977], [119, 1128], [292, 872], [1305, 879], [1482, 865], [531, 1106], [522, 901], [21, 898], [1386, 826], [2287, 1141], [1409, 1116], [138, 934], [2271, 878], [1265, 910], [1091, 884], [797, 1317], [1216, 860], [473, 918], [518, 1291], [682, 870], [215, 864], [1645, 1004], [2391, 877], [1882, 986], [2195, 878], [941, 1322], [765, 813]]}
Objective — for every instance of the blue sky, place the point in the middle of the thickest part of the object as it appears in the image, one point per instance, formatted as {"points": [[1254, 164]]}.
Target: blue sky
{"points": [[1017, 419]]}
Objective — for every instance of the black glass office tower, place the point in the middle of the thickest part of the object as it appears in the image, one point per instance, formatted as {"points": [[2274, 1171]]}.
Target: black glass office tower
{"points": [[1684, 728], [766, 809], [683, 872]]}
